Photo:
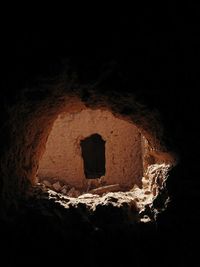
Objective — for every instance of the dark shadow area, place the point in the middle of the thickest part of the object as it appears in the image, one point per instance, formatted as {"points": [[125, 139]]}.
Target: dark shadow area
{"points": [[93, 153], [152, 52]]}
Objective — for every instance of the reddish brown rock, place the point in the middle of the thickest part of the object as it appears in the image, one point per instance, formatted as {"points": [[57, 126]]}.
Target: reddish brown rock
{"points": [[63, 156], [57, 186]]}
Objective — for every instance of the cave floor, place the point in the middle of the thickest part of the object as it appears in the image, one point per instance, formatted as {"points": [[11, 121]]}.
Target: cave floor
{"points": [[43, 231]]}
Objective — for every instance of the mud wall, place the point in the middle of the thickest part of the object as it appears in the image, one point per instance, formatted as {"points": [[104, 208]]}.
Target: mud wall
{"points": [[63, 160]]}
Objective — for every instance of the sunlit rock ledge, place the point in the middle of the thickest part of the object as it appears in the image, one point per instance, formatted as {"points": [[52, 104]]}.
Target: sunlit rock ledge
{"points": [[137, 203]]}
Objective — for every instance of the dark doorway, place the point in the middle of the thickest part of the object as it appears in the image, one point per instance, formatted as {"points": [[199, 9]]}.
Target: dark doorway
{"points": [[93, 153]]}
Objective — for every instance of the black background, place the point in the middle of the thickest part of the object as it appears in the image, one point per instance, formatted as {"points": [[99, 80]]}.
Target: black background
{"points": [[155, 49]]}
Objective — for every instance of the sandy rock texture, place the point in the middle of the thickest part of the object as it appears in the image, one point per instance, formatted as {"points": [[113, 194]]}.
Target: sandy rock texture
{"points": [[63, 159]]}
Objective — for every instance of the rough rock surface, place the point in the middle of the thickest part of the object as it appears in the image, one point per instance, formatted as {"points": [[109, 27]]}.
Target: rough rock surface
{"points": [[141, 200], [30, 122]]}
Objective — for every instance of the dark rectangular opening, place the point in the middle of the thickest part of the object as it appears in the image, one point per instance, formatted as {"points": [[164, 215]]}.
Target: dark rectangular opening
{"points": [[93, 153]]}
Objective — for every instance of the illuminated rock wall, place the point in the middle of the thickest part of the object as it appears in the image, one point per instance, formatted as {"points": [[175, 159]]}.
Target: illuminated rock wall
{"points": [[63, 160]]}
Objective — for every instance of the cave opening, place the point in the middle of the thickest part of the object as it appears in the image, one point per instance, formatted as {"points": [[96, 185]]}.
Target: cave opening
{"points": [[93, 153], [51, 157]]}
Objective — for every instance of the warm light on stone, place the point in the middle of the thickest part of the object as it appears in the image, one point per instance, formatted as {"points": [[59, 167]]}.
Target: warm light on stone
{"points": [[63, 159], [50, 156]]}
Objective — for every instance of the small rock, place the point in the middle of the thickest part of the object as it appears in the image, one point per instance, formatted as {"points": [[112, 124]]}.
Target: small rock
{"points": [[57, 186], [70, 192], [88, 196], [76, 193], [66, 187], [46, 183], [73, 192], [105, 189], [64, 191]]}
